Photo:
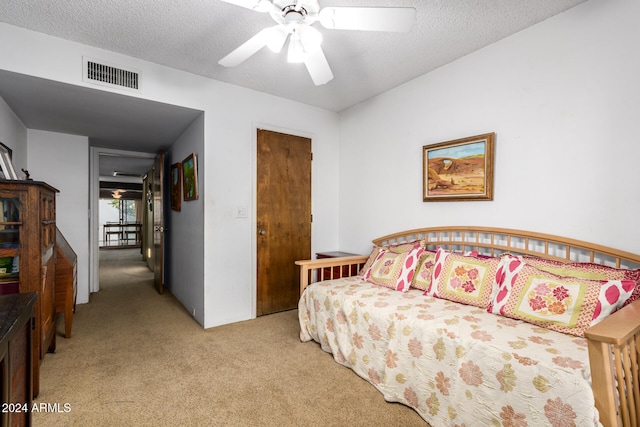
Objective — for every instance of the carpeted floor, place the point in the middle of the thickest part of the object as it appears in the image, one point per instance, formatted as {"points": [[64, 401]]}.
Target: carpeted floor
{"points": [[137, 358]]}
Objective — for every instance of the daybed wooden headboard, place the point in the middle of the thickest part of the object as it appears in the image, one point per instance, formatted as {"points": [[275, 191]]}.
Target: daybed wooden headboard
{"points": [[614, 343], [496, 241]]}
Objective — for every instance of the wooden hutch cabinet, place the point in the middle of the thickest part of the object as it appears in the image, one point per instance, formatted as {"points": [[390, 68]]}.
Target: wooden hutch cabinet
{"points": [[27, 256], [66, 281]]}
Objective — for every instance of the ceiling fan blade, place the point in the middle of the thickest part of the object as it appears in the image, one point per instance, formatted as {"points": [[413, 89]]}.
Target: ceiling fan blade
{"points": [[249, 4], [251, 46], [395, 19], [257, 5], [277, 38], [318, 67]]}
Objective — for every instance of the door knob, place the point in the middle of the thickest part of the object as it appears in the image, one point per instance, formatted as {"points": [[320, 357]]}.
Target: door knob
{"points": [[262, 232]]}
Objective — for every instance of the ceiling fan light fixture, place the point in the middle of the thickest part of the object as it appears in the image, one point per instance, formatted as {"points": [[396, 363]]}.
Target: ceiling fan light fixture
{"points": [[305, 40], [296, 53], [277, 38]]}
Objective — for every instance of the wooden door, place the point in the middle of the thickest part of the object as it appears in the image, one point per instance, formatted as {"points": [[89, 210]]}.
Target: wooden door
{"points": [[283, 218], [158, 223]]}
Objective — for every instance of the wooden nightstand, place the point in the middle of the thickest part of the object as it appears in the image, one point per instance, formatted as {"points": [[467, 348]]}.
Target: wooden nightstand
{"points": [[336, 254], [347, 270]]}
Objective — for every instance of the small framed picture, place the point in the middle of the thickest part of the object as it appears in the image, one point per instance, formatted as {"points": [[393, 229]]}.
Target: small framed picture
{"points": [[6, 164], [190, 177], [176, 186], [461, 169]]}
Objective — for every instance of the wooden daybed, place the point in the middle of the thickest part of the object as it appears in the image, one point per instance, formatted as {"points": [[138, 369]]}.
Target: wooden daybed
{"points": [[613, 344]]}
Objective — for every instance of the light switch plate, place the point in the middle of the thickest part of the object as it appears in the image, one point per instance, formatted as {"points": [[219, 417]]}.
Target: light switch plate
{"points": [[241, 212]]}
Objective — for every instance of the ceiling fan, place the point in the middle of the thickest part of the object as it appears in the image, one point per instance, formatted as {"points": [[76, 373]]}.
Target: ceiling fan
{"points": [[294, 21]]}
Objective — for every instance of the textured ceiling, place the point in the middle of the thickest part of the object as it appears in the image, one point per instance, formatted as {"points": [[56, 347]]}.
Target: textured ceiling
{"points": [[193, 35]]}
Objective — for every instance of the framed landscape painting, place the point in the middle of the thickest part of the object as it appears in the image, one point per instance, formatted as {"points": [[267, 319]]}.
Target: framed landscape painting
{"points": [[460, 169], [190, 177]]}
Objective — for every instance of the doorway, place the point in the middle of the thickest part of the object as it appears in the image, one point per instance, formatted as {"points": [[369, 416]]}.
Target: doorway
{"points": [[124, 231], [283, 218]]}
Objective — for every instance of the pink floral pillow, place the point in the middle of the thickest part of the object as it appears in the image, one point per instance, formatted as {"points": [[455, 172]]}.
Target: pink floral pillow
{"points": [[564, 304], [465, 279], [614, 294], [394, 270], [587, 270], [366, 268], [409, 269], [422, 276], [399, 248]]}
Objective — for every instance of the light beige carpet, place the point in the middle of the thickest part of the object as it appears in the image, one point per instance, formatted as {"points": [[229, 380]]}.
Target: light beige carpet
{"points": [[137, 358]]}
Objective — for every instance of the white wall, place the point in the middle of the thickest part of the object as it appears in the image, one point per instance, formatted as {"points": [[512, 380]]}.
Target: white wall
{"points": [[62, 161], [564, 100], [229, 179], [185, 280], [231, 115]]}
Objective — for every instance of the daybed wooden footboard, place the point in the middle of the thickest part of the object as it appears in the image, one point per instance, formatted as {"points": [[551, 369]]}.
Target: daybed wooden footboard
{"points": [[319, 270], [614, 348], [614, 343]]}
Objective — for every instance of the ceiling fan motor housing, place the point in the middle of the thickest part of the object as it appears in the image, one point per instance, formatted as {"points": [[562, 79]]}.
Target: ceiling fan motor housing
{"points": [[293, 16]]}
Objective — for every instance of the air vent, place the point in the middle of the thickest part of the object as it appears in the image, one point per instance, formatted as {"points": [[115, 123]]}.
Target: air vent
{"points": [[129, 174], [109, 75]]}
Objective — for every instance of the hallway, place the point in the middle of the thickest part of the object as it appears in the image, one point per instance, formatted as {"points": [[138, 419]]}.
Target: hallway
{"points": [[119, 268], [118, 348]]}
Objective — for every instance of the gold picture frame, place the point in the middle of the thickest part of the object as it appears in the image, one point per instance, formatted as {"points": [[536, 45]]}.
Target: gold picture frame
{"points": [[461, 169], [190, 177]]}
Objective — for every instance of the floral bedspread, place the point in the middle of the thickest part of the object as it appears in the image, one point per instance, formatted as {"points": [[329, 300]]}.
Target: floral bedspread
{"points": [[456, 365]]}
